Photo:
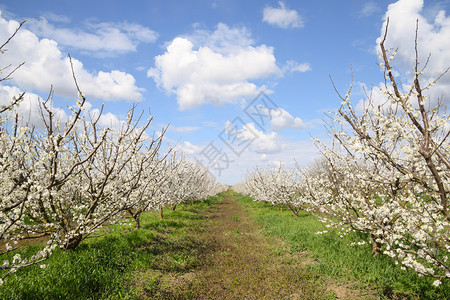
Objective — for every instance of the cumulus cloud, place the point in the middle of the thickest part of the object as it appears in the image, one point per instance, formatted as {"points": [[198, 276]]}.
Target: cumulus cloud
{"points": [[302, 152], [224, 40], [108, 120], [189, 148], [261, 142], [293, 66], [282, 17], [45, 65], [29, 110], [433, 38], [105, 38], [286, 152], [216, 72], [282, 119], [375, 94]]}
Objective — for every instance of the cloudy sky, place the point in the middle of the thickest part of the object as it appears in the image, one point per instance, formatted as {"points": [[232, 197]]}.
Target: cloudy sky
{"points": [[242, 83]]}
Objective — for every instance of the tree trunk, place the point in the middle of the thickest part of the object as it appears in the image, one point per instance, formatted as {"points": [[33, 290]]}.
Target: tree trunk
{"points": [[294, 209], [73, 242], [161, 214], [137, 221], [376, 247], [174, 207]]}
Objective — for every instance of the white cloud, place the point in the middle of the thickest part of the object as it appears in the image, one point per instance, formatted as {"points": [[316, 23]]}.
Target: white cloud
{"points": [[275, 163], [183, 129], [189, 148], [29, 110], [368, 9], [433, 38], [301, 67], [302, 151], [293, 66], [282, 17], [282, 119], [261, 143], [108, 120], [105, 38], [217, 72], [45, 65], [224, 40], [57, 18], [376, 95]]}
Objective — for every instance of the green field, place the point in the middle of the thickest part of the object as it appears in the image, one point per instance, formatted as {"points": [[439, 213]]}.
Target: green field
{"points": [[225, 247], [333, 257]]}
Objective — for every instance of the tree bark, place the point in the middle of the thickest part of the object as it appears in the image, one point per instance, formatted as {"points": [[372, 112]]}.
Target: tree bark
{"points": [[73, 242], [376, 247], [137, 221]]}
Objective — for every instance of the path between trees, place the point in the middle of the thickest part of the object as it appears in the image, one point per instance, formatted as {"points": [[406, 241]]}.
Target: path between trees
{"points": [[239, 262]]}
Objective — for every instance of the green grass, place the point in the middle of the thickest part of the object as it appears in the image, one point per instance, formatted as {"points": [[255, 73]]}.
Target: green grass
{"points": [[337, 260], [107, 266], [235, 218]]}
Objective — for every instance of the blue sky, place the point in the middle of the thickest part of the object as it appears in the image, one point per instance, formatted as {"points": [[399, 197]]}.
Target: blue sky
{"points": [[198, 64]]}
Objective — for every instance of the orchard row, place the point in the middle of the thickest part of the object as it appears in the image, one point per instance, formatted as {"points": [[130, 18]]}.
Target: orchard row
{"points": [[385, 171], [61, 180]]}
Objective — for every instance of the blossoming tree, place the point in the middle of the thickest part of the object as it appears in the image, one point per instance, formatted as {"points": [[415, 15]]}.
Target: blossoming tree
{"points": [[275, 186], [391, 173]]}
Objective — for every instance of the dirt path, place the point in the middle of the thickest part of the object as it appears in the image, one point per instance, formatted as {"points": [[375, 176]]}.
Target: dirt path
{"points": [[240, 262]]}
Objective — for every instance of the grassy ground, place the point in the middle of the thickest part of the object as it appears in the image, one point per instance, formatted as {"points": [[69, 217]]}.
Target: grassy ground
{"points": [[223, 248], [114, 264], [209, 250], [242, 263], [347, 267]]}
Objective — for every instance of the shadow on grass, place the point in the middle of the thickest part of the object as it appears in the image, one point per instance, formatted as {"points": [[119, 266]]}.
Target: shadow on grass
{"points": [[161, 225], [106, 266]]}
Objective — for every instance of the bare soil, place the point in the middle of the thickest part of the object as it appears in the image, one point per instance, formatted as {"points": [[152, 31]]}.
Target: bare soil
{"points": [[237, 261]]}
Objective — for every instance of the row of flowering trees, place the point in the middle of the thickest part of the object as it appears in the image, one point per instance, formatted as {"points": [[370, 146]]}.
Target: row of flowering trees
{"points": [[170, 182], [65, 179], [386, 173], [274, 186]]}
